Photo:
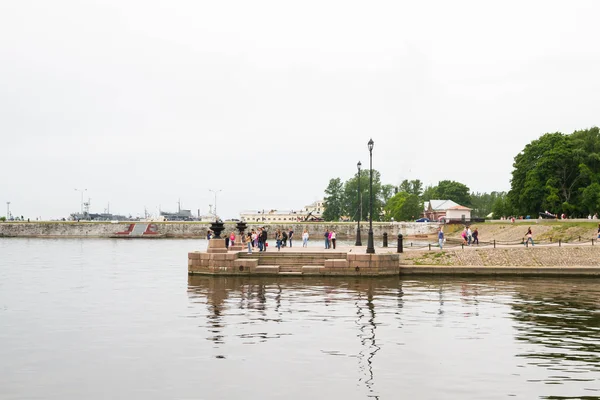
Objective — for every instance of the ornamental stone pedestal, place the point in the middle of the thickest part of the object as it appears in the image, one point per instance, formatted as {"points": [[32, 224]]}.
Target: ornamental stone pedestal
{"points": [[216, 244], [239, 239]]}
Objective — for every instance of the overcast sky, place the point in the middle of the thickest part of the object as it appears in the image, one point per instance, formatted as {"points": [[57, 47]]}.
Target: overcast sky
{"points": [[145, 102]]}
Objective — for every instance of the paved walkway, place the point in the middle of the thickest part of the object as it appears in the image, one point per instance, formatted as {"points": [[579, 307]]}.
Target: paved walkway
{"points": [[420, 247]]}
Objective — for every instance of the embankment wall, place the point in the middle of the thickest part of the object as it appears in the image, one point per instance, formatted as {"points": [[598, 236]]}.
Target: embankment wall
{"points": [[198, 230]]}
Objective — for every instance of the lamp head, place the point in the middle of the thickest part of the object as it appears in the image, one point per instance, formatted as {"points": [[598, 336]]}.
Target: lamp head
{"points": [[371, 144], [359, 165]]}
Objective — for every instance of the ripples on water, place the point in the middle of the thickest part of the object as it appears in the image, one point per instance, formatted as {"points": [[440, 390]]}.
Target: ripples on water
{"points": [[121, 319]]}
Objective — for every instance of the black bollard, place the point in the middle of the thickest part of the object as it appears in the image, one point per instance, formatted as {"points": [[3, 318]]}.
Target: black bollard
{"points": [[429, 246], [400, 248], [494, 243], [559, 241], [384, 239]]}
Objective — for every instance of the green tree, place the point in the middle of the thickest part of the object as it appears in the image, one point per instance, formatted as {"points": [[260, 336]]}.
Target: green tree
{"points": [[413, 187], [590, 198], [455, 191], [352, 199], [403, 207], [405, 186], [552, 173], [334, 200], [430, 193], [387, 192], [483, 203], [417, 187]]}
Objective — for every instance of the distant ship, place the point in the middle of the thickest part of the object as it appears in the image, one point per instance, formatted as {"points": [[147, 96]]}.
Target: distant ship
{"points": [[86, 216], [180, 215]]}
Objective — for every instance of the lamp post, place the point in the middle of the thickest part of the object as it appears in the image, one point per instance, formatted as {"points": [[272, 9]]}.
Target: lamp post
{"points": [[7, 210], [370, 245], [81, 191], [358, 241], [215, 192]]}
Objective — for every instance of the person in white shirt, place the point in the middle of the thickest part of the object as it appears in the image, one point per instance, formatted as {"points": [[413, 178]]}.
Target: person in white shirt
{"points": [[305, 238]]}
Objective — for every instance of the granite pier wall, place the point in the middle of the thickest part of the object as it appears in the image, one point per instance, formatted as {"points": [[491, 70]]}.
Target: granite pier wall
{"points": [[199, 230]]}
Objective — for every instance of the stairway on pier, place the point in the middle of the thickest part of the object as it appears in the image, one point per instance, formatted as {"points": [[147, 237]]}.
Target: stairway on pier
{"points": [[292, 262]]}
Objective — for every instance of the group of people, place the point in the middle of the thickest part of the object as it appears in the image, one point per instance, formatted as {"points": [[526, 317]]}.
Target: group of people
{"points": [[258, 239], [470, 237], [281, 238], [329, 239]]}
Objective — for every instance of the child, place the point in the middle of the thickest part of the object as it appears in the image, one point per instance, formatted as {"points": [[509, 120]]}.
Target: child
{"points": [[249, 243]]}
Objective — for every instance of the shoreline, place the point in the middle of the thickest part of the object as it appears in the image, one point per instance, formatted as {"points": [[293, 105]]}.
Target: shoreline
{"points": [[528, 271]]}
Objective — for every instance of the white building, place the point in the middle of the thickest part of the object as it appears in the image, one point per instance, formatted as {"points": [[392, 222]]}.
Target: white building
{"points": [[312, 211], [449, 210]]}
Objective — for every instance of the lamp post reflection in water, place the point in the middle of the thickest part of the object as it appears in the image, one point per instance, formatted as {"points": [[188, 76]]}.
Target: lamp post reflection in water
{"points": [[367, 340]]}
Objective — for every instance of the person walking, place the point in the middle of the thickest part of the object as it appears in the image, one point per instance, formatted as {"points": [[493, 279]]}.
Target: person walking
{"points": [[278, 239], [441, 238], [469, 236], [476, 236], [249, 242], [529, 236], [259, 240], [232, 239], [326, 236], [305, 238], [332, 236], [290, 234], [464, 235], [263, 235], [254, 238]]}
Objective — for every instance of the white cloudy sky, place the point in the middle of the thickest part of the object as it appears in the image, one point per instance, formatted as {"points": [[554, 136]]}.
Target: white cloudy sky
{"points": [[145, 102]]}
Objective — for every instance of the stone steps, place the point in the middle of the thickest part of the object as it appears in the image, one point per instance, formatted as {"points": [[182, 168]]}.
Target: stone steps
{"points": [[290, 268], [293, 262]]}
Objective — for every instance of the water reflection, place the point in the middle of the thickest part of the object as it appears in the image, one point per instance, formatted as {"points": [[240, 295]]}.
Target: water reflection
{"points": [[557, 324], [560, 323], [367, 326], [271, 300], [124, 312]]}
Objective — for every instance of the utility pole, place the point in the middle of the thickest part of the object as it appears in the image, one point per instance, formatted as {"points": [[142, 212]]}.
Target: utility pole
{"points": [[81, 191], [215, 192]]}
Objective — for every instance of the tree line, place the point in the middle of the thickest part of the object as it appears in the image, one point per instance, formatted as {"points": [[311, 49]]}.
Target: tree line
{"points": [[404, 202], [558, 173]]}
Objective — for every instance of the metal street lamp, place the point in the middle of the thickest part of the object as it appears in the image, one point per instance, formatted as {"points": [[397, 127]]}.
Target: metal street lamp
{"points": [[370, 245], [358, 241], [215, 192]]}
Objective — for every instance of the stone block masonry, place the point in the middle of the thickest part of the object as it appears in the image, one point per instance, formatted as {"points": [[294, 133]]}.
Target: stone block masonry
{"points": [[299, 263], [59, 229]]}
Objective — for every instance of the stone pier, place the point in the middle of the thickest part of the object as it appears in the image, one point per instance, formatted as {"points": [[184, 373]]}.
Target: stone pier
{"points": [[323, 263]]}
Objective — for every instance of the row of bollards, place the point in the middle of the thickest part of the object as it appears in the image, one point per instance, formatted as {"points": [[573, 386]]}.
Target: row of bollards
{"points": [[400, 242]]}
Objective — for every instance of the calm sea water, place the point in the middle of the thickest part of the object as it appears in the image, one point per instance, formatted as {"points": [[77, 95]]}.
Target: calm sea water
{"points": [[120, 319]]}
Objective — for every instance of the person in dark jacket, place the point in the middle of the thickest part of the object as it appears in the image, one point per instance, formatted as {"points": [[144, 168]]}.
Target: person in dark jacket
{"points": [[263, 235]]}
